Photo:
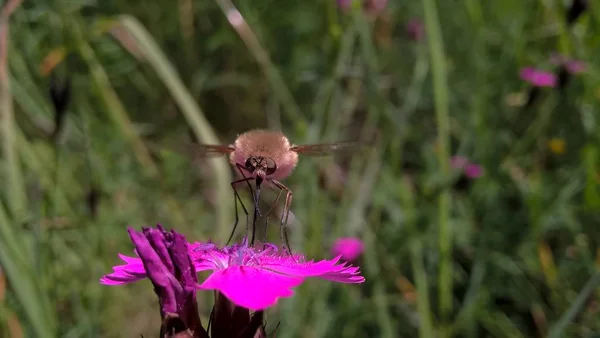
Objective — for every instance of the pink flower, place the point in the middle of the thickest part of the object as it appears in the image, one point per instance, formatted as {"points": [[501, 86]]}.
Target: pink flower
{"points": [[473, 170], [344, 4], [348, 248], [249, 277], [415, 29], [575, 66], [375, 6], [537, 77], [458, 162], [468, 168], [256, 278], [571, 65]]}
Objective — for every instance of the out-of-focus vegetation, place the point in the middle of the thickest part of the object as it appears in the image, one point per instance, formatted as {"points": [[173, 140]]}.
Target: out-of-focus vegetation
{"points": [[513, 253]]}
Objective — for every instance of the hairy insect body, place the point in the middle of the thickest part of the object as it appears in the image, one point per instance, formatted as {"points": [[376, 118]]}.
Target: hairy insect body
{"points": [[264, 153]]}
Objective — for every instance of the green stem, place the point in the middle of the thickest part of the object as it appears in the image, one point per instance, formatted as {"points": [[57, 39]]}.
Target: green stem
{"points": [[558, 329], [113, 105], [416, 260], [440, 92], [14, 187]]}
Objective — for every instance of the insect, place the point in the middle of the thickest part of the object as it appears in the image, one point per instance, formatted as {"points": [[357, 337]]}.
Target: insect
{"points": [[266, 156]]}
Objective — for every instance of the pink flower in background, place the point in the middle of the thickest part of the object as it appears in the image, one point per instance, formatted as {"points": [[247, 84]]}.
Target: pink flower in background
{"points": [[571, 65], [575, 66], [375, 6], [344, 4], [349, 248], [415, 29], [458, 162], [256, 278], [473, 170], [468, 168], [537, 77]]}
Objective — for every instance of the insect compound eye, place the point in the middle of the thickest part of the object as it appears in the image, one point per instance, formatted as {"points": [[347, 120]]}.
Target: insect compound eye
{"points": [[250, 164], [271, 166]]}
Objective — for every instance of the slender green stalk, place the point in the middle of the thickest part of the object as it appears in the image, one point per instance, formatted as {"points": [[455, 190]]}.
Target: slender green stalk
{"points": [[43, 171], [14, 187], [115, 108], [416, 259], [261, 55], [386, 324], [327, 88], [422, 286], [16, 263], [558, 329], [113, 105], [440, 92]]}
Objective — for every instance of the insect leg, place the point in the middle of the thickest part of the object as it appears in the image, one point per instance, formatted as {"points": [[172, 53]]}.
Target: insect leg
{"points": [[285, 214], [271, 210], [241, 170], [236, 199]]}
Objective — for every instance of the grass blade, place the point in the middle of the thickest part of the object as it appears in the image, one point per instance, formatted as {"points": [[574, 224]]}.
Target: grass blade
{"points": [[192, 112], [22, 281], [278, 86], [440, 93], [14, 188], [558, 329]]}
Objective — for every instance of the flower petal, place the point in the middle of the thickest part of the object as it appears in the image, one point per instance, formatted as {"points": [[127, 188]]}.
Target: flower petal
{"points": [[251, 287], [131, 272], [326, 269]]}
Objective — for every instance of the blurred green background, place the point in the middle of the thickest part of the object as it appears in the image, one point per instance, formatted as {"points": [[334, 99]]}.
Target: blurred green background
{"points": [[513, 253]]}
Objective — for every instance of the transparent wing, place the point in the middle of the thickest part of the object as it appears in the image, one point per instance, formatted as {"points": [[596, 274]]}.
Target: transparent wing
{"points": [[328, 148], [207, 150], [193, 150]]}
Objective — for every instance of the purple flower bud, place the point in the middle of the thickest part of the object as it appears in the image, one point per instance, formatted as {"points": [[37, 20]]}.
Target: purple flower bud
{"points": [[168, 265], [415, 29]]}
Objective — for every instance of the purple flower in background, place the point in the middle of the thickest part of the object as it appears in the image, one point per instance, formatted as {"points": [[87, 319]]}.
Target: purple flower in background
{"points": [[375, 6], [572, 66], [473, 170], [458, 162], [538, 78], [575, 66], [568, 67], [344, 4], [469, 169], [349, 248], [256, 278], [415, 29], [164, 259]]}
